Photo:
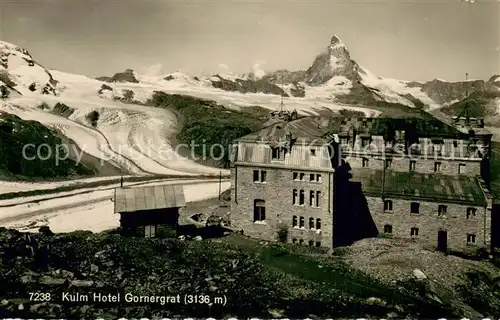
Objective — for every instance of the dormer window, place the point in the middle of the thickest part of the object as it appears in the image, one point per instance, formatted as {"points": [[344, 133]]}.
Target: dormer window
{"points": [[365, 141], [277, 153]]}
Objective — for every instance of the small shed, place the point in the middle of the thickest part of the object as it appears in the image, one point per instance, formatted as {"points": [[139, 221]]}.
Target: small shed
{"points": [[149, 211]]}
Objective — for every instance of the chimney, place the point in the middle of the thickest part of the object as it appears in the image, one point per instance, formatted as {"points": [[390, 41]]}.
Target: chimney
{"points": [[462, 121], [400, 135], [290, 138], [480, 122]]}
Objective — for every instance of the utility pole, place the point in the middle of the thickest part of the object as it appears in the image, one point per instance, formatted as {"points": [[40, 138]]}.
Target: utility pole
{"points": [[383, 179], [220, 183], [466, 111]]}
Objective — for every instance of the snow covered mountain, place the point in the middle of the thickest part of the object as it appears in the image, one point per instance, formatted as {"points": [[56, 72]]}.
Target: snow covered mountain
{"points": [[19, 72], [107, 117], [333, 76]]}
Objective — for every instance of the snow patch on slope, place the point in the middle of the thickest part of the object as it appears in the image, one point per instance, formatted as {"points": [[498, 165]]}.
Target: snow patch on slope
{"points": [[392, 89], [337, 85]]}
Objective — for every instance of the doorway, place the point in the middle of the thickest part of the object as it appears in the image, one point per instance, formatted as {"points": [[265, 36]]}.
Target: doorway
{"points": [[442, 240], [149, 231]]}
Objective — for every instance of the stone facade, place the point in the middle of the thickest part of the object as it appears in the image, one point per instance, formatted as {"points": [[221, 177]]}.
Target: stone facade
{"points": [[278, 193], [455, 222], [298, 171], [468, 167]]}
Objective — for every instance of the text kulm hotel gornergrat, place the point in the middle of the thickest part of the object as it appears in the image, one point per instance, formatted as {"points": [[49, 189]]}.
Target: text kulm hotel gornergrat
{"points": [[99, 297]]}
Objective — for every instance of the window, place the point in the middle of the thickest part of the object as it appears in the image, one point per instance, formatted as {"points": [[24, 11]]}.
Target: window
{"points": [[311, 177], [302, 176], [311, 243], [295, 176], [471, 238], [388, 163], [461, 168], [301, 198], [414, 232], [259, 176], [318, 244], [294, 241], [318, 224], [413, 165], [414, 207], [313, 152], [455, 144], [294, 221], [318, 196], [311, 223], [301, 223], [387, 205], [259, 210], [442, 210], [365, 142], [295, 194], [301, 241], [387, 228], [312, 203], [275, 153], [437, 166], [318, 178], [471, 213], [365, 162], [149, 231]]}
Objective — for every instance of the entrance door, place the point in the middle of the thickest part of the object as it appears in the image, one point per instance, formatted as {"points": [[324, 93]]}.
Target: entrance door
{"points": [[442, 240], [149, 231]]}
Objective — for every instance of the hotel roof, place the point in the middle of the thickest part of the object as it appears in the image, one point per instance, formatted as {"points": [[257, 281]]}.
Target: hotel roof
{"points": [[304, 130], [418, 186]]}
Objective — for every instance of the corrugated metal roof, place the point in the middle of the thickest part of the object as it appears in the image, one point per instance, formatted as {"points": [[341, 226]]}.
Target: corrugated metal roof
{"points": [[149, 198], [434, 188]]}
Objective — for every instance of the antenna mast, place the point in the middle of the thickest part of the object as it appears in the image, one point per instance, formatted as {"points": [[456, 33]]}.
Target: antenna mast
{"points": [[466, 112], [282, 106]]}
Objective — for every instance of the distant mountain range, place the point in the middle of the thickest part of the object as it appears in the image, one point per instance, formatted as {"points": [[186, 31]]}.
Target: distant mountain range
{"points": [[333, 75]]}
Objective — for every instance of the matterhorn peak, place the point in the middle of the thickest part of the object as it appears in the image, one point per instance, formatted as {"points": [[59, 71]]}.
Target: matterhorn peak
{"points": [[332, 62], [336, 42]]}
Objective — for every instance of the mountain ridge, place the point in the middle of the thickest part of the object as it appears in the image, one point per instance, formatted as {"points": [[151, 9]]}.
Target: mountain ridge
{"points": [[335, 75], [332, 76]]}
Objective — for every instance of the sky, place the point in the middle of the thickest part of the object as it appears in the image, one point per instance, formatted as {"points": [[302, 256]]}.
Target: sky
{"points": [[411, 40]]}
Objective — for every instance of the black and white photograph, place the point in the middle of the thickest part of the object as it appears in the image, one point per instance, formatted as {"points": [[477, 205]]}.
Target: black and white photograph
{"points": [[259, 159]]}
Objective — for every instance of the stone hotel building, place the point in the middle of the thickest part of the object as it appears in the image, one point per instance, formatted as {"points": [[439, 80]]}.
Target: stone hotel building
{"points": [[330, 182]]}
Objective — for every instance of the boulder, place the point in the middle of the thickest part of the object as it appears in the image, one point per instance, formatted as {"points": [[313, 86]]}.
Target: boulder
{"points": [[419, 274]]}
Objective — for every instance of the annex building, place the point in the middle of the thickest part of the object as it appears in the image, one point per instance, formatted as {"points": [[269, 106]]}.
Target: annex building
{"points": [[333, 181]]}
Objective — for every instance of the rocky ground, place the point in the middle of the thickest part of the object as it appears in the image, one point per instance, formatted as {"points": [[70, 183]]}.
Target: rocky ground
{"points": [[394, 260], [375, 278]]}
